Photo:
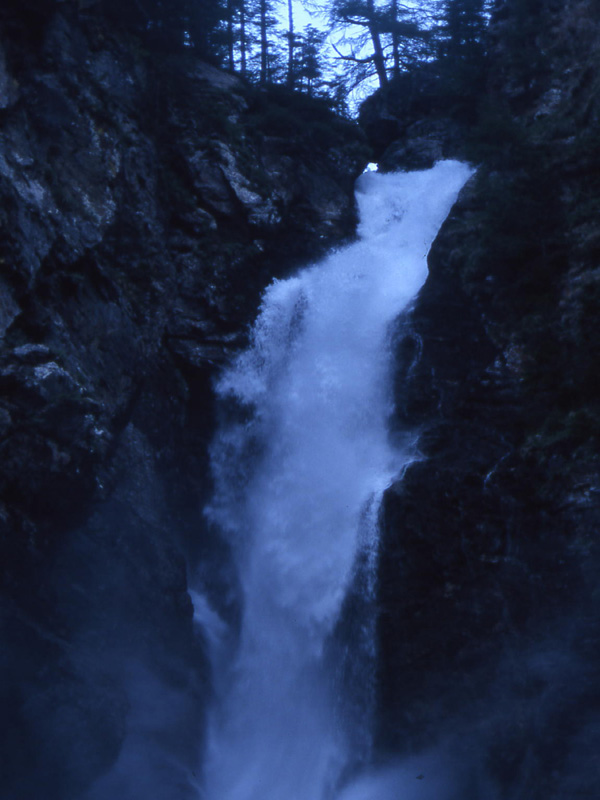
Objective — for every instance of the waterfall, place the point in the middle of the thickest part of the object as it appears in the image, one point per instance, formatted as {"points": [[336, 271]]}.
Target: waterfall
{"points": [[299, 471]]}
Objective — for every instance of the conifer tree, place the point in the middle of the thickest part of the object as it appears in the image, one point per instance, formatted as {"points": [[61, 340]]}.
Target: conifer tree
{"points": [[385, 30], [262, 17], [462, 46], [309, 69]]}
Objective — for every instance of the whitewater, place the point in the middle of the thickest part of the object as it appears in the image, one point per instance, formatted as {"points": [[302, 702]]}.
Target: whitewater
{"points": [[299, 469]]}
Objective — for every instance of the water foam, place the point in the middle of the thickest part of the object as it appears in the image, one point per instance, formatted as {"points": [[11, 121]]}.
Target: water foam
{"points": [[297, 478]]}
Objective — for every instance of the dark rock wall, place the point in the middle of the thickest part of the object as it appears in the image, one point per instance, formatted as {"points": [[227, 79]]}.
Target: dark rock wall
{"points": [[490, 613], [145, 201]]}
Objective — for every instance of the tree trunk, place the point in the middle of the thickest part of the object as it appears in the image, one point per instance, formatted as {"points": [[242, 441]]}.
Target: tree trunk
{"points": [[291, 45], [263, 42], [378, 56], [243, 45], [395, 37], [230, 43]]}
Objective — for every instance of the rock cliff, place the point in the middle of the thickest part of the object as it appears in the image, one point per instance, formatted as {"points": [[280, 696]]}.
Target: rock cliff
{"points": [[145, 202], [489, 628]]}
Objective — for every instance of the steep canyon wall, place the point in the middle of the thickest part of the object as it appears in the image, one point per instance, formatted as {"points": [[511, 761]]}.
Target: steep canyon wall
{"points": [[489, 630], [146, 199]]}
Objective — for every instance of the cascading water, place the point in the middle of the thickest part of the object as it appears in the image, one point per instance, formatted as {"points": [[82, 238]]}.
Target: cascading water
{"points": [[298, 479]]}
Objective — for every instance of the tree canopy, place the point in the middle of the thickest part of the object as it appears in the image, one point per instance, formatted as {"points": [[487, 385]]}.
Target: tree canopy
{"points": [[363, 40]]}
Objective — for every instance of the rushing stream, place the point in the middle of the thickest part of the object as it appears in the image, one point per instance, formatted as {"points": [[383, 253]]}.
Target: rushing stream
{"points": [[299, 473]]}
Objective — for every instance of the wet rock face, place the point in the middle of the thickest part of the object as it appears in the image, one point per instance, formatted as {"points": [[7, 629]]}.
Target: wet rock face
{"points": [[488, 630], [145, 203]]}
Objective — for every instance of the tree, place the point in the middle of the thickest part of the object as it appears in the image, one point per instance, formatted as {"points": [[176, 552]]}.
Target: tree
{"points": [[461, 49], [309, 63], [384, 30], [364, 15], [404, 25], [261, 16], [291, 45], [168, 25], [243, 39]]}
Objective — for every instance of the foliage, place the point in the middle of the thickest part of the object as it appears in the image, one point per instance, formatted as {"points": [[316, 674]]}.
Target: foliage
{"points": [[167, 25], [377, 38], [309, 64], [304, 120], [371, 38], [386, 39], [461, 47]]}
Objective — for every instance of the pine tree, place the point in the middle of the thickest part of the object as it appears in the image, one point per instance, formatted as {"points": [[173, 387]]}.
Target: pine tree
{"points": [[462, 46], [263, 49], [309, 63], [385, 30]]}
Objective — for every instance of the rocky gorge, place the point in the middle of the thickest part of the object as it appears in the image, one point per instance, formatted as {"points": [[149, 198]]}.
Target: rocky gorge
{"points": [[144, 208], [146, 203]]}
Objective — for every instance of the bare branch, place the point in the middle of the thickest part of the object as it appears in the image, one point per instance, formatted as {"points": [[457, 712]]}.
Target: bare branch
{"points": [[353, 58]]}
